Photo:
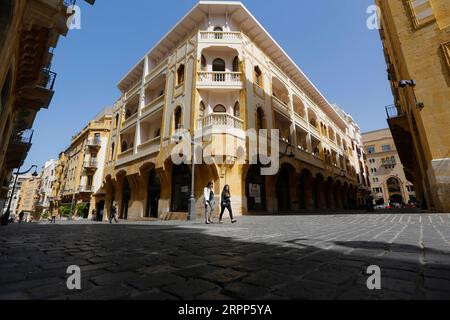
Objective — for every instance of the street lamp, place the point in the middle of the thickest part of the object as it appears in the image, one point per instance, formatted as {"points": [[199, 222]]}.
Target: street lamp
{"points": [[5, 217]]}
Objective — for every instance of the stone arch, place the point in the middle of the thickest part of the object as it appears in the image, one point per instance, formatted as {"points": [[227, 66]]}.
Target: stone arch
{"points": [[299, 106], [280, 91], [319, 189], [285, 187], [255, 189]]}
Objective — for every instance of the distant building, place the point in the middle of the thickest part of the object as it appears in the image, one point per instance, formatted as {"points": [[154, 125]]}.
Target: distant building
{"points": [[79, 171], [388, 180], [416, 39], [29, 198], [46, 188], [15, 199]]}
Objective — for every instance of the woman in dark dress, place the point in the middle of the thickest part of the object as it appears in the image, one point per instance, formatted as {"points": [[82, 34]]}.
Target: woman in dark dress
{"points": [[225, 203]]}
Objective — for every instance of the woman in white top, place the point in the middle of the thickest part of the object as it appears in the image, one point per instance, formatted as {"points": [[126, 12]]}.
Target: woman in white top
{"points": [[208, 195]]}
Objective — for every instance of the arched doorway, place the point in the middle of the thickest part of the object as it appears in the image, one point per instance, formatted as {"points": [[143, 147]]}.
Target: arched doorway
{"points": [[255, 189], [126, 197], [100, 208], [181, 188], [283, 190], [154, 194], [395, 190]]}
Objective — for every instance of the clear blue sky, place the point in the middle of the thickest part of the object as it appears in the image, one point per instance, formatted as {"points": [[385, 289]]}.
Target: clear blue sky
{"points": [[328, 39]]}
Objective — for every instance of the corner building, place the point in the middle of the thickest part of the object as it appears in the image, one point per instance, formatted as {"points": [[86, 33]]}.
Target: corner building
{"points": [[219, 73]]}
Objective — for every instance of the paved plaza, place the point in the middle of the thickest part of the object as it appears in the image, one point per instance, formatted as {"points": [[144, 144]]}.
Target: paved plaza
{"points": [[261, 257]]}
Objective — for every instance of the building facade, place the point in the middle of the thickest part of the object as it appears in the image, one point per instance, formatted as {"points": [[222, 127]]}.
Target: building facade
{"points": [[387, 175], [79, 171], [15, 196], [29, 198], [46, 187], [416, 40], [218, 75], [29, 31]]}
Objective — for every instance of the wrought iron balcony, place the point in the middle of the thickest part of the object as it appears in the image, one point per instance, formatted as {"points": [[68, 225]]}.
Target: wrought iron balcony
{"points": [[393, 111], [48, 78], [86, 189], [96, 142], [92, 164]]}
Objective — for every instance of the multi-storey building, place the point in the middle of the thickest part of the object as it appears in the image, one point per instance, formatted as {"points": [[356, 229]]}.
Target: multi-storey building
{"points": [[388, 180], [46, 187], [218, 73], [29, 30], [416, 40], [15, 196], [79, 171], [29, 198]]}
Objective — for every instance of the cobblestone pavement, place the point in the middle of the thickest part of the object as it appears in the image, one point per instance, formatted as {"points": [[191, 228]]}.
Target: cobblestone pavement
{"points": [[284, 257]]}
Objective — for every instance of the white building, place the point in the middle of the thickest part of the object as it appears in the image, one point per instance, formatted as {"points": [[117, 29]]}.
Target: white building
{"points": [[46, 188]]}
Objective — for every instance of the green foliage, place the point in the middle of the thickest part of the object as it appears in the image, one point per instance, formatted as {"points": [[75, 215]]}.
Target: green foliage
{"points": [[44, 216], [64, 210], [81, 208]]}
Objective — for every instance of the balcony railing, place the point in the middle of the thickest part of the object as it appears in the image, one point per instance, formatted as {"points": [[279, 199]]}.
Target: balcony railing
{"points": [[86, 189], [155, 103], [222, 119], [48, 78], [393, 111], [220, 36], [92, 164], [151, 146], [129, 121], [126, 153], [22, 137], [96, 142], [215, 77]]}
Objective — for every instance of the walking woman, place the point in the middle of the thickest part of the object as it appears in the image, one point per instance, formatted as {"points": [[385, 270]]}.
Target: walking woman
{"points": [[208, 195], [225, 203]]}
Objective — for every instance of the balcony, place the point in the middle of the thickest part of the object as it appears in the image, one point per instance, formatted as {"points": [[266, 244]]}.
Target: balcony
{"points": [[280, 106], [39, 95], [224, 120], [86, 189], [220, 37], [18, 148], [92, 164], [94, 143], [151, 146], [219, 80], [153, 106], [129, 122], [126, 153]]}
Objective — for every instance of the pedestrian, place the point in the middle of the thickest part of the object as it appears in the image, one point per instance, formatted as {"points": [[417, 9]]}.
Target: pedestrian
{"points": [[21, 214], [53, 220], [94, 215], [208, 195], [113, 214], [225, 203], [100, 216]]}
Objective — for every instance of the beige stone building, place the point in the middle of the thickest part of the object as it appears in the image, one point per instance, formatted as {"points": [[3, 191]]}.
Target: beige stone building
{"points": [[29, 30], [29, 197], [416, 40], [79, 171], [387, 175], [218, 74]]}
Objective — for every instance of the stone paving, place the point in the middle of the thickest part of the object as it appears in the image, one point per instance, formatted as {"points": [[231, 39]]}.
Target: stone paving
{"points": [[283, 257]]}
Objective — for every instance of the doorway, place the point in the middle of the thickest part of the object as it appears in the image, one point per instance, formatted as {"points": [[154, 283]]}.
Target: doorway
{"points": [[181, 188], [126, 197], [154, 194]]}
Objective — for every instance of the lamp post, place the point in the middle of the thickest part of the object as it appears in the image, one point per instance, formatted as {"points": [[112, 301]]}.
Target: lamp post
{"points": [[5, 217]]}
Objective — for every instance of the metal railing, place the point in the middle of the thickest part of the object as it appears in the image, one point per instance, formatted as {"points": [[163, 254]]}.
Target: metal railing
{"points": [[48, 79], [96, 142], [393, 111], [22, 137]]}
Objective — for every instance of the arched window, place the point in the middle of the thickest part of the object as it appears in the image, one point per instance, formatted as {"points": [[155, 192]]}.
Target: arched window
{"points": [[124, 146], [202, 109], [113, 147], [180, 74], [203, 63], [219, 34], [218, 65], [178, 118], [220, 109], [237, 110], [260, 119], [236, 64], [258, 76]]}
